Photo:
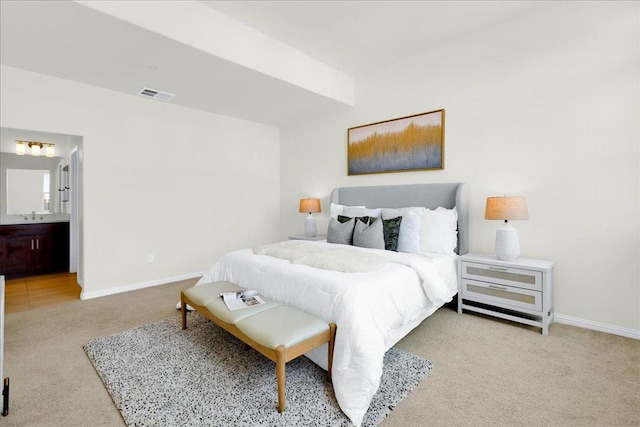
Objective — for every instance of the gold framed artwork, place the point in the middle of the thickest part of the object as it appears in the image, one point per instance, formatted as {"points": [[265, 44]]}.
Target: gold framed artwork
{"points": [[408, 143]]}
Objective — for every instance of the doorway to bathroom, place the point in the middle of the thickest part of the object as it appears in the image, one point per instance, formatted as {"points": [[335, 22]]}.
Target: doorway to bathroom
{"points": [[62, 202]]}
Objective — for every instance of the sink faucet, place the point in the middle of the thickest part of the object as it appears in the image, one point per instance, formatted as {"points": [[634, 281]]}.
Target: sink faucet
{"points": [[33, 215]]}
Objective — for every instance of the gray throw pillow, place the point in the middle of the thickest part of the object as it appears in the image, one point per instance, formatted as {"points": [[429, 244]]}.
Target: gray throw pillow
{"points": [[340, 232], [368, 236]]}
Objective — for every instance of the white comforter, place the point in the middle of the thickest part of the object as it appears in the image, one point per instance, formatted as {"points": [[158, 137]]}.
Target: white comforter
{"points": [[372, 310]]}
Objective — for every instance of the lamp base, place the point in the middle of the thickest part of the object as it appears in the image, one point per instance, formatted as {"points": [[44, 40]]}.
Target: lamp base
{"points": [[507, 243], [310, 228]]}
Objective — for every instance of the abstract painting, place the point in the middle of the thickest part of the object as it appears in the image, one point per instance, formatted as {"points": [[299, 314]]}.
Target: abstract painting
{"points": [[405, 144]]}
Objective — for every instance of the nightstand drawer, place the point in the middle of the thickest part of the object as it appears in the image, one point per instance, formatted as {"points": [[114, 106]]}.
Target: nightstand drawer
{"points": [[502, 296], [525, 279]]}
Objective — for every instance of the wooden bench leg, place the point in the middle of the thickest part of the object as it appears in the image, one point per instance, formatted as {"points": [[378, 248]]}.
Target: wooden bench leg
{"points": [[183, 309], [332, 340], [280, 372]]}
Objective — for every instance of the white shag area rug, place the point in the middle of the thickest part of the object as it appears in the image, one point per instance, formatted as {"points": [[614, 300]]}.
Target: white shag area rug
{"points": [[160, 375]]}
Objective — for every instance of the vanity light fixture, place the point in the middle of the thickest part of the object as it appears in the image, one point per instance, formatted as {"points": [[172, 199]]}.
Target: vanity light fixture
{"points": [[36, 148]]}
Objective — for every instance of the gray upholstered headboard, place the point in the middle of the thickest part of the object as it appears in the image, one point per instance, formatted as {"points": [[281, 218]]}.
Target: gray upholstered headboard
{"points": [[429, 196]]}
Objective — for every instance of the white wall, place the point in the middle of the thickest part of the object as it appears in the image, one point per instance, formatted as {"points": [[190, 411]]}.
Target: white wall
{"points": [[183, 185], [545, 106]]}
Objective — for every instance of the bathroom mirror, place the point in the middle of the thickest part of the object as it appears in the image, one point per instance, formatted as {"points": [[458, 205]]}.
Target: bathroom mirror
{"points": [[28, 190], [31, 184]]}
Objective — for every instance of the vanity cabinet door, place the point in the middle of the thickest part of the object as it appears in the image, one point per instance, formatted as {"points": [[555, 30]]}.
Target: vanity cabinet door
{"points": [[18, 255], [45, 254]]}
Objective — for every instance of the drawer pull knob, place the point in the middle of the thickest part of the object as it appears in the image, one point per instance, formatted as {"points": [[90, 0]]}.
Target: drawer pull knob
{"points": [[498, 287], [497, 268]]}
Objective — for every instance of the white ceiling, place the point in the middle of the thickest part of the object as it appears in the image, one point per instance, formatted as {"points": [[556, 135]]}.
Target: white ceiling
{"points": [[359, 36], [75, 42]]}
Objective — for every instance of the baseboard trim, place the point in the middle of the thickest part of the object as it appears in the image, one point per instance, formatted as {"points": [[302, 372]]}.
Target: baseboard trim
{"points": [[135, 286], [596, 326]]}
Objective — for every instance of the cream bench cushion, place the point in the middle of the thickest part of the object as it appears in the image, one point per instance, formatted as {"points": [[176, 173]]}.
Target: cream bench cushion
{"points": [[282, 325]]}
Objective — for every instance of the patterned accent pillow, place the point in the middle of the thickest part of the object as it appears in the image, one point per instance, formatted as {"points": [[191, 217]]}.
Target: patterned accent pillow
{"points": [[409, 237], [344, 218], [339, 232], [391, 229], [368, 236]]}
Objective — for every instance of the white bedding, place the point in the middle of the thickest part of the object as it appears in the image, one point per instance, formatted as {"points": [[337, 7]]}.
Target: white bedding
{"points": [[324, 257], [372, 310]]}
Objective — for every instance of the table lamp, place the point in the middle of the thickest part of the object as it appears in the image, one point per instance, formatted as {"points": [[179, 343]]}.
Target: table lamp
{"points": [[506, 208], [311, 206]]}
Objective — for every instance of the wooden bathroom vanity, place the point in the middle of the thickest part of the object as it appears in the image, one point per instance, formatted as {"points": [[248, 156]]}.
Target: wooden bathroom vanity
{"points": [[33, 249]]}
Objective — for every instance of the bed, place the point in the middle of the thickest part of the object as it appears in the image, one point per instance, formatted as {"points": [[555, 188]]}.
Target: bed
{"points": [[373, 309]]}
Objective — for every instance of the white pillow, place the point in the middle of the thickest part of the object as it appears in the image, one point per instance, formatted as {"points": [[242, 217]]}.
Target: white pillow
{"points": [[409, 235], [439, 231], [355, 211], [337, 209]]}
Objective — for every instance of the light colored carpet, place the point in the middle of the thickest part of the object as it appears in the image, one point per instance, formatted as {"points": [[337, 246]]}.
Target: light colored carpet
{"points": [[160, 375], [487, 372]]}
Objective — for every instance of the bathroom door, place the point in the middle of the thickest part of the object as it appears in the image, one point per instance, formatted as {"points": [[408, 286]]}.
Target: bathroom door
{"points": [[73, 223]]}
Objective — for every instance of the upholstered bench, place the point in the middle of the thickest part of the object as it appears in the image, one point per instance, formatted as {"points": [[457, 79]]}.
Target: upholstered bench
{"points": [[279, 332]]}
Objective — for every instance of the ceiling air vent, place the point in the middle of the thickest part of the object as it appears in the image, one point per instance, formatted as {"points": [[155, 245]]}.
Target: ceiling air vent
{"points": [[156, 94]]}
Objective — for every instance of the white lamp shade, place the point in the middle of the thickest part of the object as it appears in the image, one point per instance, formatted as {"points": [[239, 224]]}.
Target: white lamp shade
{"points": [[35, 150], [50, 151], [21, 148]]}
